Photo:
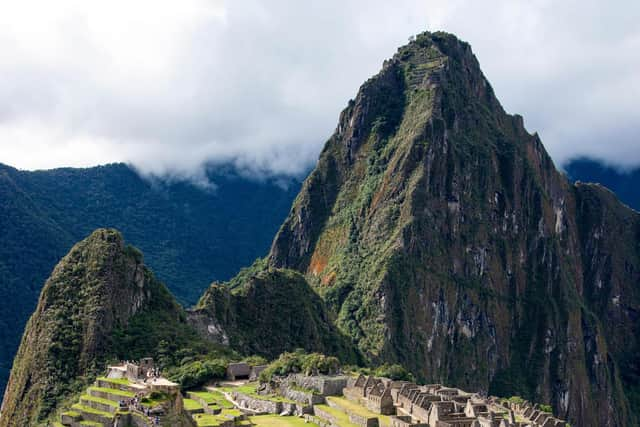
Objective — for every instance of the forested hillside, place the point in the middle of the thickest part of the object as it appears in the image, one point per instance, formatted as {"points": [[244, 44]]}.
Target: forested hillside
{"points": [[190, 235]]}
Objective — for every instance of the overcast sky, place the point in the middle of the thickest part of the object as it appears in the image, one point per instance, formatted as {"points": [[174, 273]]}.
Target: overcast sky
{"points": [[172, 85]]}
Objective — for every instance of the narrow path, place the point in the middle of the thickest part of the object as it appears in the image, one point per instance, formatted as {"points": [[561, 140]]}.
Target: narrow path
{"points": [[230, 399]]}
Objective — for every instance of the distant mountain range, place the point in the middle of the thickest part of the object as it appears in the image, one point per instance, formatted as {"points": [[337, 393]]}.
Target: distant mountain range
{"points": [[625, 184], [190, 235]]}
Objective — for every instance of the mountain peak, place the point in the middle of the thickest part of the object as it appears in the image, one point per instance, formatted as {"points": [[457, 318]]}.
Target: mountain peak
{"points": [[97, 288], [442, 237]]}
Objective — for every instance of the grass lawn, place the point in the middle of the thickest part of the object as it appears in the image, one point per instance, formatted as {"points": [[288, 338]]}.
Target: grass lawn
{"points": [[191, 405], [278, 421], [207, 420], [250, 390], [340, 417], [106, 402], [119, 381], [352, 407], [114, 391], [206, 396]]}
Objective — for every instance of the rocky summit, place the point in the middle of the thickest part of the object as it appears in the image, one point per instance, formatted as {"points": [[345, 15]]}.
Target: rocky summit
{"points": [[441, 235], [435, 234]]}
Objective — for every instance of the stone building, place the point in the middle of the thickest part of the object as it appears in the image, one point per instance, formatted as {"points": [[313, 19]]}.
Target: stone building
{"points": [[238, 371]]}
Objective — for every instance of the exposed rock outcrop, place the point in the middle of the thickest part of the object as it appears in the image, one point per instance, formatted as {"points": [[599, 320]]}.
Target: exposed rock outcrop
{"points": [[441, 235]]}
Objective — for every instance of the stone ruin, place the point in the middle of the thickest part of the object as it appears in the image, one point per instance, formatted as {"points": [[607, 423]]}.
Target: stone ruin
{"points": [[432, 405]]}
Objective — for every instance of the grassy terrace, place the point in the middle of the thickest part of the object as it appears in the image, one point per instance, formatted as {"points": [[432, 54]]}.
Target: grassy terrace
{"points": [[118, 381], [207, 420], [341, 418], [250, 390], [278, 421], [115, 392], [208, 397], [88, 410], [100, 400], [191, 405], [352, 407]]}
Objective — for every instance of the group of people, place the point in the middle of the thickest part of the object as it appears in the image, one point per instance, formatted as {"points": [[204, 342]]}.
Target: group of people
{"points": [[152, 374]]}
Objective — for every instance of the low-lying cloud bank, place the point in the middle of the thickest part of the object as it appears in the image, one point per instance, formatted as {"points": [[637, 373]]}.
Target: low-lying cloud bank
{"points": [[174, 86]]}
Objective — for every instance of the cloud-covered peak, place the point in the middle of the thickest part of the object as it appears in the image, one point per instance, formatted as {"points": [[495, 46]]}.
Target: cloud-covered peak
{"points": [[174, 86]]}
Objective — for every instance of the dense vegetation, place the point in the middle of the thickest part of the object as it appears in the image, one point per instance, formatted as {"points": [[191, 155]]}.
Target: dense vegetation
{"points": [[100, 304], [267, 311], [190, 235], [301, 362]]}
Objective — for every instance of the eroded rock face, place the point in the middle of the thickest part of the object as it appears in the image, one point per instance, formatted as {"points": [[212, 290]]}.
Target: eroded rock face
{"points": [[441, 235], [99, 285]]}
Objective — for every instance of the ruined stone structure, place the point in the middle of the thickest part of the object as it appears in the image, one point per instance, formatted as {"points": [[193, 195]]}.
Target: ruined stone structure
{"points": [[432, 405], [238, 371]]}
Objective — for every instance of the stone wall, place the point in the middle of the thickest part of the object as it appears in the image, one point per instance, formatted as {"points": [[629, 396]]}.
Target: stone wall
{"points": [[305, 397], [325, 385], [257, 405]]}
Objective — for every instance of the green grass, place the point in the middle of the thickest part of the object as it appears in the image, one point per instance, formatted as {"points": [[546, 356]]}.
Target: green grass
{"points": [[278, 421], [72, 414], [207, 420], [100, 400], [116, 392], [207, 397], [118, 381], [82, 408], [350, 406], [341, 418], [220, 399], [191, 405], [250, 390]]}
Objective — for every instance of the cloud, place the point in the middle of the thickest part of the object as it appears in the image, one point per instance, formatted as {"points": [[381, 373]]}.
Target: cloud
{"points": [[571, 68], [174, 86]]}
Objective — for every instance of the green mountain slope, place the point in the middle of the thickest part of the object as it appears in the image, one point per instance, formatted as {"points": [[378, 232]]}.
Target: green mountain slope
{"points": [[190, 235], [442, 237], [267, 312], [90, 310]]}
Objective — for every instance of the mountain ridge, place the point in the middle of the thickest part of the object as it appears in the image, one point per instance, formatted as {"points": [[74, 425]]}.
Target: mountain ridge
{"points": [[438, 234], [442, 236], [190, 235]]}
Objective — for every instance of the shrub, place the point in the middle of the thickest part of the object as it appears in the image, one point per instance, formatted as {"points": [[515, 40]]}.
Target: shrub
{"points": [[255, 360], [546, 408], [292, 363], [198, 373], [395, 372]]}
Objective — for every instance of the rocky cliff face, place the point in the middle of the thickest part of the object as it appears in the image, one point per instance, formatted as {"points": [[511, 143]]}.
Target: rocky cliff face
{"points": [[99, 288], [442, 237]]}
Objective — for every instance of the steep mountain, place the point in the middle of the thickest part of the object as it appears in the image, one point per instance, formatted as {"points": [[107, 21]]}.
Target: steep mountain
{"points": [[269, 311], [90, 310], [624, 184], [190, 235], [442, 237]]}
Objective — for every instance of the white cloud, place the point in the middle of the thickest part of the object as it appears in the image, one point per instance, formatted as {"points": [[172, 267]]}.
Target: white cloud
{"points": [[571, 68], [170, 86]]}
